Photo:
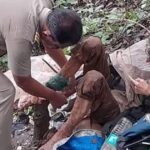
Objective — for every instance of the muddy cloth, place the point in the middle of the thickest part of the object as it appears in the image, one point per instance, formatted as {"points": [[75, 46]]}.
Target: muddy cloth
{"points": [[93, 87], [91, 53]]}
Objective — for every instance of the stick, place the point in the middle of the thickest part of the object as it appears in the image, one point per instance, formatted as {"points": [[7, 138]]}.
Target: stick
{"points": [[50, 65]]}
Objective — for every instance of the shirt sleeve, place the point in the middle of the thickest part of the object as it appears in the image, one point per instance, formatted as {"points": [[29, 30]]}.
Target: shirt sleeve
{"points": [[88, 87], [19, 52]]}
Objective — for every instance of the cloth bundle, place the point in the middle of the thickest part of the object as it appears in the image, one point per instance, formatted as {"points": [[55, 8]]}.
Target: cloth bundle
{"points": [[57, 82]]}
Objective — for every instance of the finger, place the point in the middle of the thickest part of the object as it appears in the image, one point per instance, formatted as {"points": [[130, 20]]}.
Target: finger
{"points": [[20, 105], [140, 80], [40, 101], [133, 81], [25, 104], [34, 100]]}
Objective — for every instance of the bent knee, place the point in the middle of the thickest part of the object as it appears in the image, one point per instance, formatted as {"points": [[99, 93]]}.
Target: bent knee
{"points": [[89, 86], [93, 75]]}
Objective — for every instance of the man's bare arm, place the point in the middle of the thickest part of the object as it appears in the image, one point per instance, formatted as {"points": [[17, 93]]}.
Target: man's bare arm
{"points": [[58, 56], [80, 110], [33, 87], [71, 67], [19, 52]]}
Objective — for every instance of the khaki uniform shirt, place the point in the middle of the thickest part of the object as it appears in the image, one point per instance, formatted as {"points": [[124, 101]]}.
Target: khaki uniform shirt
{"points": [[19, 20]]}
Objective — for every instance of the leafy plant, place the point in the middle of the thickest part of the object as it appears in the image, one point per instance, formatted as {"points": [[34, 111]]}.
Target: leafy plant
{"points": [[3, 63], [65, 3]]}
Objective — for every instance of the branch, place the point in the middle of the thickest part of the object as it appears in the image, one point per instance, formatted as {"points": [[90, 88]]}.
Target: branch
{"points": [[138, 24]]}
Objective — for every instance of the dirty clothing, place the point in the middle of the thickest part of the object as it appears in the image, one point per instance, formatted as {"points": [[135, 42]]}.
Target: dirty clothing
{"points": [[131, 61], [93, 87], [19, 22]]}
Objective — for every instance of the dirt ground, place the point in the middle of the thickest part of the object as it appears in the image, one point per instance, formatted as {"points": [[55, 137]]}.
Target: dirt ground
{"points": [[22, 132]]}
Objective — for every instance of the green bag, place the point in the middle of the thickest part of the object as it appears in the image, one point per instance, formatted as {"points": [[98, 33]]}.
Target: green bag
{"points": [[57, 82]]}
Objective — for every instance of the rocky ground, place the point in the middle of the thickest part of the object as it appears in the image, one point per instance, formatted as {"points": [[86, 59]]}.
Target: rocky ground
{"points": [[22, 131]]}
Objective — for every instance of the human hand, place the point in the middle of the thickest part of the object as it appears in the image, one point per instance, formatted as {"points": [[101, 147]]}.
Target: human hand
{"points": [[58, 99], [28, 100], [140, 86]]}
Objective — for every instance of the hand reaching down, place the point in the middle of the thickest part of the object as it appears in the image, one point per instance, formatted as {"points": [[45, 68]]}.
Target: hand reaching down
{"points": [[141, 86], [28, 100]]}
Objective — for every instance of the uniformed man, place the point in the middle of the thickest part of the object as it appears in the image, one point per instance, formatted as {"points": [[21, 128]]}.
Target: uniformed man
{"points": [[19, 21]]}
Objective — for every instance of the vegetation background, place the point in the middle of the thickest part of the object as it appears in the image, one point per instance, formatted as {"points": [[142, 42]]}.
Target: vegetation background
{"points": [[119, 23]]}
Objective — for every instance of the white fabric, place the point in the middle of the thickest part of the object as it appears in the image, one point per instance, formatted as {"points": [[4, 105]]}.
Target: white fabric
{"points": [[131, 62]]}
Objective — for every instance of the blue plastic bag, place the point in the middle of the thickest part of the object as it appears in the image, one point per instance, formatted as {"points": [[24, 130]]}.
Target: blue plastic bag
{"points": [[83, 140]]}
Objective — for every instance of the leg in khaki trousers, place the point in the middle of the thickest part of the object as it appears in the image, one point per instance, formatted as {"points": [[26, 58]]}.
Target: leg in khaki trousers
{"points": [[7, 93]]}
